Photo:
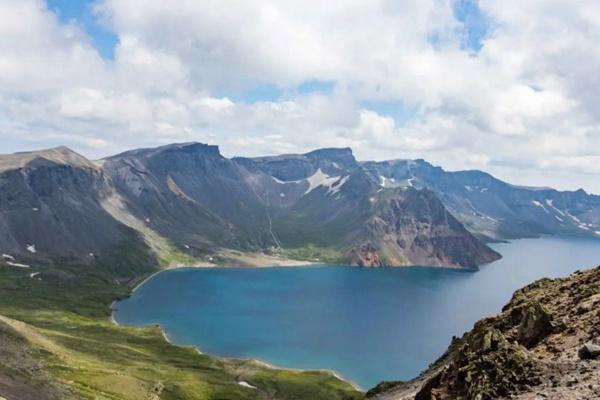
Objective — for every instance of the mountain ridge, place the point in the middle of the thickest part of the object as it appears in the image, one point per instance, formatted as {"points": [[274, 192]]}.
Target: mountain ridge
{"points": [[323, 205]]}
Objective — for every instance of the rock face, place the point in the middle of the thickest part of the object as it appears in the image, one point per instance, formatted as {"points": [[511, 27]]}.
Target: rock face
{"points": [[190, 197], [413, 227], [544, 345], [365, 255]]}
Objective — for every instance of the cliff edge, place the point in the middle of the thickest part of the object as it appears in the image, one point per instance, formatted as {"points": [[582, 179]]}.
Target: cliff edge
{"points": [[545, 344]]}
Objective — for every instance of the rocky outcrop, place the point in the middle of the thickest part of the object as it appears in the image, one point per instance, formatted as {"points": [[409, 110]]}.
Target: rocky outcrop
{"points": [[412, 227], [544, 345], [365, 255]]}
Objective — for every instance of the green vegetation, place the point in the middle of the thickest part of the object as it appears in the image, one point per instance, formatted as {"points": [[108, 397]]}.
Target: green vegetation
{"points": [[314, 253], [56, 336]]}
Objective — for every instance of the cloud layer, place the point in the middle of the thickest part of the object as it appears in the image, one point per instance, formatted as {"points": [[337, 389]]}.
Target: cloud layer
{"points": [[404, 81]]}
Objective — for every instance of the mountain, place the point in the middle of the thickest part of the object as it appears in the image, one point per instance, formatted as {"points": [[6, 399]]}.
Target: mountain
{"points": [[491, 208], [544, 345], [188, 199], [326, 199], [51, 202]]}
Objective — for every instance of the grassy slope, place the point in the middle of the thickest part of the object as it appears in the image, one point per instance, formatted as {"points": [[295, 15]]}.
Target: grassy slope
{"points": [[66, 329]]}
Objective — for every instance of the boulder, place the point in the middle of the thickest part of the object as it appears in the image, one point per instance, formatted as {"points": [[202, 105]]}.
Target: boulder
{"points": [[590, 350], [536, 323]]}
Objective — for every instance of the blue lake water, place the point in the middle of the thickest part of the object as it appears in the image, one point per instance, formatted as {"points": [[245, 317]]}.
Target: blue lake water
{"points": [[368, 325]]}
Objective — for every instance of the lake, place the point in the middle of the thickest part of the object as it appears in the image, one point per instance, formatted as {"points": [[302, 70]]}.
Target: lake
{"points": [[368, 325]]}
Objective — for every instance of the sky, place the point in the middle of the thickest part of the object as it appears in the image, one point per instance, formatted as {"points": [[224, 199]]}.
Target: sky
{"points": [[509, 87]]}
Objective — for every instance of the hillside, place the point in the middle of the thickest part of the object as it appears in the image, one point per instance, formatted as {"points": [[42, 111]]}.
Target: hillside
{"points": [[544, 344], [190, 204], [57, 342]]}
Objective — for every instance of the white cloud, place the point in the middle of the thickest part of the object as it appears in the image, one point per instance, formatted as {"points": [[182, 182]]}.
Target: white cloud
{"points": [[524, 107]]}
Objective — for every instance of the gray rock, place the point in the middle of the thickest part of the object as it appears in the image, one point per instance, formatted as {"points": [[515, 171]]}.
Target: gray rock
{"points": [[590, 350], [536, 323]]}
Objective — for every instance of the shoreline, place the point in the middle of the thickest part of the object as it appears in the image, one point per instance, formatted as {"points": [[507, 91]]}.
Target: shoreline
{"points": [[257, 261]]}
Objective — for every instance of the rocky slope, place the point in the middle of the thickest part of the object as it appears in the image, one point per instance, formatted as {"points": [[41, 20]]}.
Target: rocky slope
{"points": [[544, 345], [413, 226], [492, 208], [50, 202], [343, 207], [189, 199]]}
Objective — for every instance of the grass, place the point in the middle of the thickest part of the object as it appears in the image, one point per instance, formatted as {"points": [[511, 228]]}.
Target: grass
{"points": [[62, 323], [314, 253]]}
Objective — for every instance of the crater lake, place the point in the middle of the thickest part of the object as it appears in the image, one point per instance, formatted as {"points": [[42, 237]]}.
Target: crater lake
{"points": [[366, 324]]}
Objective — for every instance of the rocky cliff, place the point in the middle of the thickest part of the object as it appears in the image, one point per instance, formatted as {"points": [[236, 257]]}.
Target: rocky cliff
{"points": [[545, 344], [409, 226]]}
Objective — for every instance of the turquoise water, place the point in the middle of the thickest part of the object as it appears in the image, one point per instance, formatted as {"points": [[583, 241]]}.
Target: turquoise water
{"points": [[368, 325]]}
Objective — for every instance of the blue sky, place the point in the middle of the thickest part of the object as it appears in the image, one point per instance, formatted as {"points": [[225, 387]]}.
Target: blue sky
{"points": [[476, 25], [82, 13]]}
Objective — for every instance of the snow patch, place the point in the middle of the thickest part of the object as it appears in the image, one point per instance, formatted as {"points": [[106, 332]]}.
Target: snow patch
{"points": [[35, 209], [19, 265], [31, 248], [597, 233], [382, 180], [34, 274], [8, 257], [281, 194], [538, 204], [335, 188], [551, 204], [320, 179], [559, 218], [246, 384], [574, 218], [278, 180], [286, 182]]}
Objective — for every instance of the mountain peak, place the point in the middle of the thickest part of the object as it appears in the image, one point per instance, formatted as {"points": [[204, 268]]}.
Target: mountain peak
{"points": [[59, 155], [187, 148], [331, 152]]}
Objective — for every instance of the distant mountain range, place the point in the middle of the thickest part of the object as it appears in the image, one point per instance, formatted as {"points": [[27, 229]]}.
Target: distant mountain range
{"points": [[188, 202]]}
